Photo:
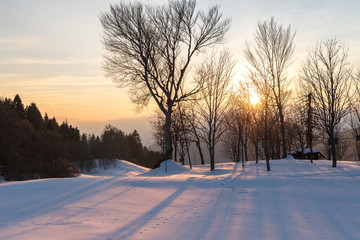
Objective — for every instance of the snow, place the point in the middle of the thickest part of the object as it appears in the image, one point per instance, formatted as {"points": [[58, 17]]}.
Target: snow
{"points": [[168, 167], [121, 169], [295, 200], [306, 150]]}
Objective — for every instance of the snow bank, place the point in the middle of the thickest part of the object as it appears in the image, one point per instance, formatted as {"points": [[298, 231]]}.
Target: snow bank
{"points": [[168, 167], [122, 168]]}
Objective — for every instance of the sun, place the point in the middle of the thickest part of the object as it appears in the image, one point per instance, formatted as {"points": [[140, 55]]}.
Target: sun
{"points": [[254, 98]]}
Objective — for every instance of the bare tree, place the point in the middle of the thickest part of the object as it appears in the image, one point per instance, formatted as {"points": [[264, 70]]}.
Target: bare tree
{"points": [[265, 124], [269, 60], [192, 121], [327, 71], [212, 109], [180, 129], [238, 122], [256, 128], [302, 120], [296, 126], [355, 115], [186, 132], [149, 49], [157, 123], [355, 104], [182, 134]]}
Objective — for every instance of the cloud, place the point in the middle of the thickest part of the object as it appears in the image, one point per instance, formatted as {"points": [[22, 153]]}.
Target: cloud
{"points": [[21, 40], [47, 61], [41, 61], [10, 75]]}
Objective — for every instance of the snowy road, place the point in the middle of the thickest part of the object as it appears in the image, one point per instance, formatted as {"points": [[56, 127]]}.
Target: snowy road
{"points": [[296, 200]]}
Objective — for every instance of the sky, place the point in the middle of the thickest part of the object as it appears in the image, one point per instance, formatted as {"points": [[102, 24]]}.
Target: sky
{"points": [[51, 51]]}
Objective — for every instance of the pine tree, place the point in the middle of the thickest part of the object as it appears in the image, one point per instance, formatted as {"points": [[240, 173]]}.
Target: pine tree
{"points": [[34, 117], [50, 124], [69, 132], [19, 106]]}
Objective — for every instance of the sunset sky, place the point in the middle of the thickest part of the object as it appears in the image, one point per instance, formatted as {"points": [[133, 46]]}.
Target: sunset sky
{"points": [[51, 51]]}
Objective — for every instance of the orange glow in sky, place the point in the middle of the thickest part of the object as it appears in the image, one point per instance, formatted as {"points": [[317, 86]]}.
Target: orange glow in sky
{"points": [[52, 53]]}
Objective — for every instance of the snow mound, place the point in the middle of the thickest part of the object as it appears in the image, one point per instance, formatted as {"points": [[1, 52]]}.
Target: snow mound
{"points": [[121, 168], [168, 167]]}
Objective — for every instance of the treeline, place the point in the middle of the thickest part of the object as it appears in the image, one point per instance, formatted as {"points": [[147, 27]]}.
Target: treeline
{"points": [[32, 146]]}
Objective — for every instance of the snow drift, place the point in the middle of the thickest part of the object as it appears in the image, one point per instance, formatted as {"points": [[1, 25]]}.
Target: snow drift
{"points": [[168, 167], [121, 168]]}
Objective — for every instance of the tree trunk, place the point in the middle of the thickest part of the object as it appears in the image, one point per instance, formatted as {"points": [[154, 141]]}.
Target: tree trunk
{"points": [[257, 152], [168, 140], [333, 152], [212, 158], [211, 135], [188, 151], [267, 163], [200, 151], [266, 143], [266, 150], [238, 146], [309, 127], [242, 152], [283, 133], [175, 151], [246, 152], [257, 144]]}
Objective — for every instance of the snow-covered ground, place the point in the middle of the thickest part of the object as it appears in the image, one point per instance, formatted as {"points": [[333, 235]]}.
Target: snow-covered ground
{"points": [[296, 200]]}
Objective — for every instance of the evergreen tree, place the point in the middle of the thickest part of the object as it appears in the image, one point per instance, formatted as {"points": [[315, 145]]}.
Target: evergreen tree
{"points": [[135, 146], [95, 147], [34, 117], [69, 132], [114, 145], [19, 106], [50, 124]]}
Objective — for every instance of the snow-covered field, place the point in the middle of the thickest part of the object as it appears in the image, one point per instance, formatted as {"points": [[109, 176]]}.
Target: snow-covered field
{"points": [[296, 200]]}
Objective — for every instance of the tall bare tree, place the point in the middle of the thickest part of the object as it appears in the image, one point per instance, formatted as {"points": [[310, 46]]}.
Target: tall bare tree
{"points": [[185, 137], [296, 126], [238, 125], [267, 123], [192, 118], [256, 127], [328, 72], [149, 49], [355, 115], [269, 60], [302, 121], [356, 102], [216, 75]]}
